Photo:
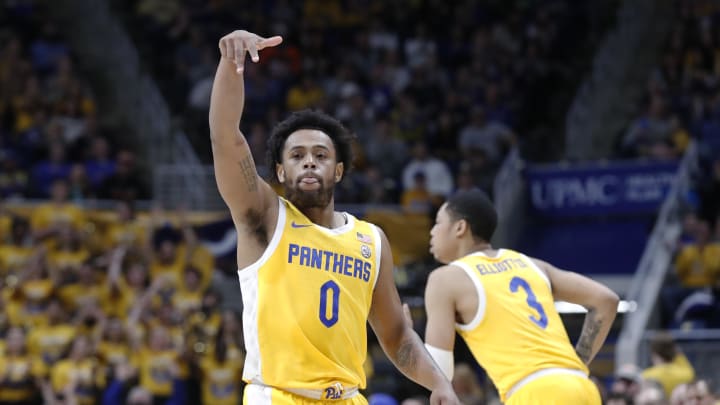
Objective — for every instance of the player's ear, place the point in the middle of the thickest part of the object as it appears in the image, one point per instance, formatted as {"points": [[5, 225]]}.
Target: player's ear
{"points": [[280, 172], [461, 227], [339, 170]]}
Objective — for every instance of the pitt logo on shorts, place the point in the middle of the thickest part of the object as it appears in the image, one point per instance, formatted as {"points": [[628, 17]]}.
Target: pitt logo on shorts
{"points": [[334, 391]]}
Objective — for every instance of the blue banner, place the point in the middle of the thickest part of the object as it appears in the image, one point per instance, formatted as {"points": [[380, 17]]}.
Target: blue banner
{"points": [[622, 188]]}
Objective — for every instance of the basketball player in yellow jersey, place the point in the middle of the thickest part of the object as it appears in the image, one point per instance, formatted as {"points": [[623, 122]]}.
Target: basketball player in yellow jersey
{"points": [[311, 277], [501, 302]]}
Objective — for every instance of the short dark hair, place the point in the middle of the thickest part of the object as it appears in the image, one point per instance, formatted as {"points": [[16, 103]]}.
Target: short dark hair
{"points": [[663, 345], [341, 137], [475, 207]]}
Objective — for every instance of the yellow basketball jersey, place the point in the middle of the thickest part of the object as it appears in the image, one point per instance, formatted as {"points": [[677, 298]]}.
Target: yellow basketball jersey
{"points": [[306, 303], [516, 330]]}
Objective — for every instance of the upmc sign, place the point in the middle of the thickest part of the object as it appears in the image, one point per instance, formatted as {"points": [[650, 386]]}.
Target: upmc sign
{"points": [[600, 189]]}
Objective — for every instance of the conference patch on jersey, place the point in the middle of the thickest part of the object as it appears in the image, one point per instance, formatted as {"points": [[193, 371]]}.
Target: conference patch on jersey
{"points": [[365, 251]]}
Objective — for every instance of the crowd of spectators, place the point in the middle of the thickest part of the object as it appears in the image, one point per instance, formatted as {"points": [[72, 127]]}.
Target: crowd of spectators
{"points": [[49, 126], [118, 308], [669, 380], [435, 106], [682, 105], [97, 307]]}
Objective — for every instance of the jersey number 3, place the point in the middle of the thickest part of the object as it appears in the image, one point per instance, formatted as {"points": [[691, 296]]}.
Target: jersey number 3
{"points": [[335, 303], [532, 302]]}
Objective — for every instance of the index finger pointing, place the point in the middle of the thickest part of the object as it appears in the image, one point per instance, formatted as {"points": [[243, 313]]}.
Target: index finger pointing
{"points": [[269, 42]]}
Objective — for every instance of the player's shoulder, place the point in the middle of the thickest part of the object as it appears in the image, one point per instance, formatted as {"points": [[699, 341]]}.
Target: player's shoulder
{"points": [[447, 275]]}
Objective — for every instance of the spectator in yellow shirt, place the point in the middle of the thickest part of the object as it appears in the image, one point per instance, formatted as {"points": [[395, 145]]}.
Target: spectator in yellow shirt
{"points": [[188, 297], [17, 248], [221, 374], [115, 346], [126, 229], [697, 266], [127, 280], [669, 367], [70, 252], [47, 217], [5, 222], [49, 342], [698, 263], [81, 369], [34, 288], [87, 287], [417, 199], [158, 365], [20, 373]]}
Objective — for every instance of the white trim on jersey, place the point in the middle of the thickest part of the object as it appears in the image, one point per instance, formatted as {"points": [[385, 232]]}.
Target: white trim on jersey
{"points": [[258, 394], [538, 270], [252, 371], [482, 299], [499, 252], [347, 226], [378, 253]]}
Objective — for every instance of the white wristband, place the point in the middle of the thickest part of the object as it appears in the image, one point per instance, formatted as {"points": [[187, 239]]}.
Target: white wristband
{"points": [[444, 360]]}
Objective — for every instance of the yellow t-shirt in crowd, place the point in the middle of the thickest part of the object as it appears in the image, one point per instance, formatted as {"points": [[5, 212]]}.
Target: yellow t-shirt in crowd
{"points": [[5, 227], [155, 369], [131, 233], [49, 214], [34, 296], [74, 295], [187, 301], [221, 382], [13, 258], [113, 353], [672, 374], [698, 267], [87, 373], [209, 324], [19, 373], [120, 301], [50, 342], [61, 259], [418, 201]]}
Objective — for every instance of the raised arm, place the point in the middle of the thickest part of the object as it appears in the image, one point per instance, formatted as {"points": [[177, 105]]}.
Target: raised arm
{"points": [[235, 173], [601, 304], [398, 339]]}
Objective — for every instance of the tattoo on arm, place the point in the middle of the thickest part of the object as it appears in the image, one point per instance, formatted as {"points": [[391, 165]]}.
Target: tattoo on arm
{"points": [[407, 354], [590, 330], [248, 172]]}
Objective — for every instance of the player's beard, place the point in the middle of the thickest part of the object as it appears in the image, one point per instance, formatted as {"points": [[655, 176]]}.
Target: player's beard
{"points": [[305, 199]]}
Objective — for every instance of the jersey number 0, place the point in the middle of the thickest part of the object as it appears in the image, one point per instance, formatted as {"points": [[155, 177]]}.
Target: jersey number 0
{"points": [[325, 289]]}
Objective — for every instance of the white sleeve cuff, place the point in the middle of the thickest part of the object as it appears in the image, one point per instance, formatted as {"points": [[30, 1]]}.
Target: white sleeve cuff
{"points": [[444, 360]]}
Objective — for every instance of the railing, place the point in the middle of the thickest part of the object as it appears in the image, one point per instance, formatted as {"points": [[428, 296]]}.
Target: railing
{"points": [[126, 94], [608, 96], [509, 199], [185, 179], [653, 266]]}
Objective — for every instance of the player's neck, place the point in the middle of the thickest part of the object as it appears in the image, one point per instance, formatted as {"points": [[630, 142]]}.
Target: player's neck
{"points": [[325, 217], [470, 246]]}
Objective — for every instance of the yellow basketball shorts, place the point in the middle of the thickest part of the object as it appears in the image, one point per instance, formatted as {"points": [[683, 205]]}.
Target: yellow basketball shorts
{"points": [[557, 389]]}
